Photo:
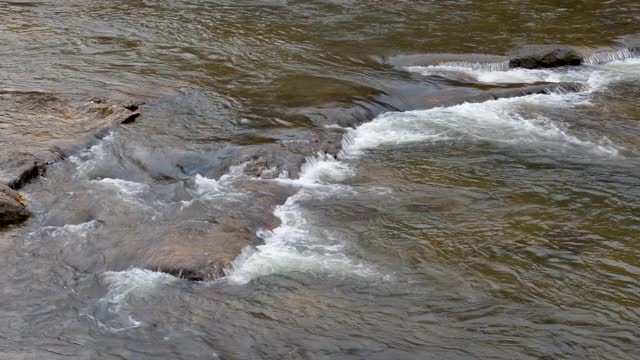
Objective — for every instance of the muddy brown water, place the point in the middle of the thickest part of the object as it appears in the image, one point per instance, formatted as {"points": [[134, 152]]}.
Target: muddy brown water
{"points": [[504, 229]]}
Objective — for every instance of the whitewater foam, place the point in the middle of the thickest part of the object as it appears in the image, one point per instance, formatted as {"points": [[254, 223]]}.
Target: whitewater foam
{"points": [[506, 76], [604, 57], [498, 121], [113, 312], [69, 233], [208, 187], [296, 245], [88, 159], [596, 76], [479, 66], [123, 186]]}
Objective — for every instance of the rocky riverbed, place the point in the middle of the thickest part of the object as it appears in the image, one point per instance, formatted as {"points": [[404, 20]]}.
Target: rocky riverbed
{"points": [[204, 249], [319, 180]]}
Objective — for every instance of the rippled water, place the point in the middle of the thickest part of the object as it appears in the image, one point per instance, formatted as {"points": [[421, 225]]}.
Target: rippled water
{"points": [[502, 229]]}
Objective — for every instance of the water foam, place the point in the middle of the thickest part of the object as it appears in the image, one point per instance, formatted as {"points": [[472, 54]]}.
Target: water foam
{"points": [[323, 169], [87, 160], [594, 76], [498, 121], [604, 57], [68, 233], [125, 187], [211, 187], [503, 76], [479, 66], [296, 245], [112, 310]]}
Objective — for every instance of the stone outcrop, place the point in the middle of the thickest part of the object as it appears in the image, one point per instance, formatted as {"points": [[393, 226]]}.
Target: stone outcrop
{"points": [[202, 250], [40, 128], [529, 56], [546, 56], [12, 206], [549, 56], [198, 250]]}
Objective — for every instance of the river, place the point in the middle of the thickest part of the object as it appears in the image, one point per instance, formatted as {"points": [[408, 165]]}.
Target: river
{"points": [[502, 229]]}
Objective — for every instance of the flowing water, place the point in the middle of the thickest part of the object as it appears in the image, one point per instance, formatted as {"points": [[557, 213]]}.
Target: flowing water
{"points": [[506, 229]]}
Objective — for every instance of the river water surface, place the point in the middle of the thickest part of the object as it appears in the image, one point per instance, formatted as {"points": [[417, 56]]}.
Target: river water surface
{"points": [[507, 229]]}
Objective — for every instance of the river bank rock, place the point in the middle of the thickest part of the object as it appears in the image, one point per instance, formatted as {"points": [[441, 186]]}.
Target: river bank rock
{"points": [[12, 206], [41, 128]]}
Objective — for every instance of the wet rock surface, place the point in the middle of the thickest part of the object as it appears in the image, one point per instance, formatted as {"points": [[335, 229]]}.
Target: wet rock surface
{"points": [[12, 206], [193, 209], [546, 56], [527, 57], [40, 128], [202, 250], [197, 251], [403, 61]]}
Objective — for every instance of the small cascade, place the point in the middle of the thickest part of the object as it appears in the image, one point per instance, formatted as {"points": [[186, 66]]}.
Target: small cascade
{"points": [[479, 66], [604, 57]]}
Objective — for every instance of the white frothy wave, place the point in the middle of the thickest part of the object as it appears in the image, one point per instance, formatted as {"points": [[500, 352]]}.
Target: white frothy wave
{"points": [[211, 187], [323, 169], [498, 121], [113, 312], [508, 76], [129, 191], [480, 66], [125, 187], [69, 233], [88, 159], [295, 246], [604, 57]]}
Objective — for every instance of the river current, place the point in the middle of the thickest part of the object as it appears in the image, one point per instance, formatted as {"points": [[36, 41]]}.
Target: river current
{"points": [[503, 229]]}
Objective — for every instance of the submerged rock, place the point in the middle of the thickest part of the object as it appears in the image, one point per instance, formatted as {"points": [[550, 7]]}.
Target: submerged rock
{"points": [[40, 128], [202, 250], [478, 61], [547, 56], [451, 98], [12, 206], [198, 251]]}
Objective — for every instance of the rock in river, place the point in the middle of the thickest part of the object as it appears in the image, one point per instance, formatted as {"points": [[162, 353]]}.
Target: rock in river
{"points": [[547, 56], [12, 206], [198, 250], [40, 128]]}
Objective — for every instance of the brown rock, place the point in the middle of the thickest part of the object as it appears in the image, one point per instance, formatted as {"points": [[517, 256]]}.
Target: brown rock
{"points": [[12, 206], [198, 250]]}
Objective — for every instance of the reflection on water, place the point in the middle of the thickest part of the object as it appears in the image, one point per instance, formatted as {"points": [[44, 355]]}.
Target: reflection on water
{"points": [[502, 229]]}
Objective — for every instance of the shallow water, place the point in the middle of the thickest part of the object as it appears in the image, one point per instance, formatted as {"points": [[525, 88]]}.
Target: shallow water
{"points": [[503, 229]]}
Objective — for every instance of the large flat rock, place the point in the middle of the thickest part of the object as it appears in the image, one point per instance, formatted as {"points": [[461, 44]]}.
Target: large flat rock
{"points": [[547, 56], [39, 128], [197, 250]]}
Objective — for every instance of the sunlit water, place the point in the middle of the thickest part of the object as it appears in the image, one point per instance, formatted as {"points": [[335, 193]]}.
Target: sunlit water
{"points": [[504, 229]]}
